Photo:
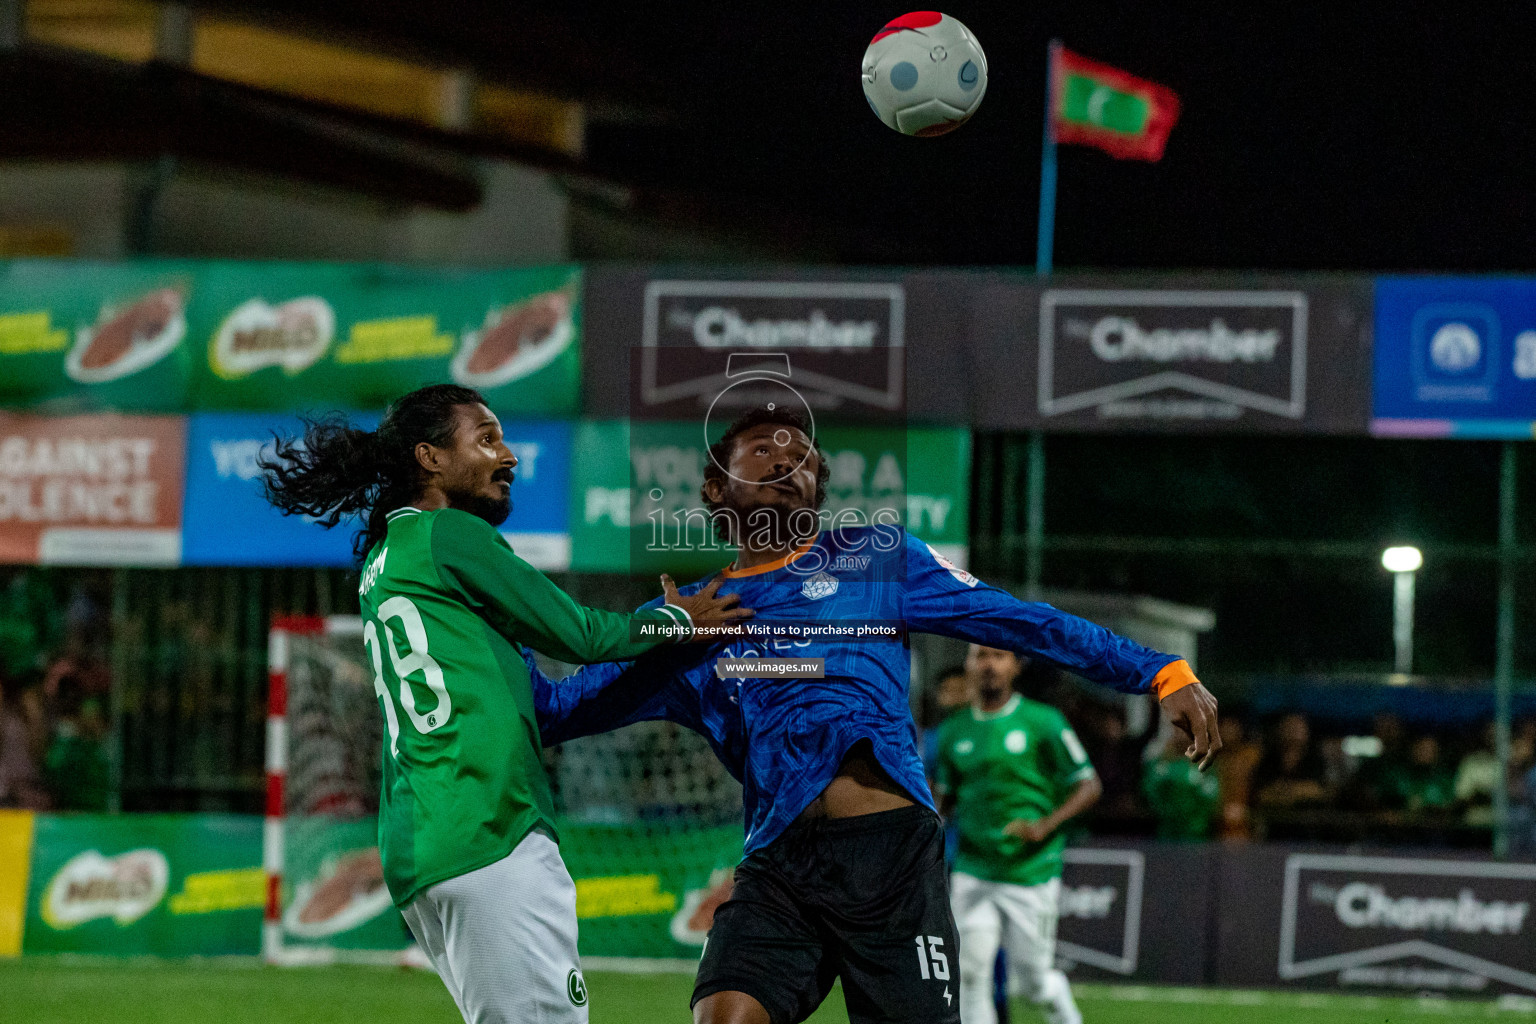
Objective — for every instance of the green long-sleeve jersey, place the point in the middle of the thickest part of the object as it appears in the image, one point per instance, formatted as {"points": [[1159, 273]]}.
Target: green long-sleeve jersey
{"points": [[445, 606]]}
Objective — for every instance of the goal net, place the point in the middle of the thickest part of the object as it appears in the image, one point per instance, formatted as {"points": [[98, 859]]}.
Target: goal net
{"points": [[649, 821]]}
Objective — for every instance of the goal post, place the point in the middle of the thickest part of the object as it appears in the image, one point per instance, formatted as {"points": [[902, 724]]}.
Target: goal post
{"points": [[649, 820], [326, 899]]}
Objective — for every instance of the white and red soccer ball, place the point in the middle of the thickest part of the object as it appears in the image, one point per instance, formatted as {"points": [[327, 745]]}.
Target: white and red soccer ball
{"points": [[924, 74]]}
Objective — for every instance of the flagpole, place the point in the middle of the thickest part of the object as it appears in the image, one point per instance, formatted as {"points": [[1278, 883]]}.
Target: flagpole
{"points": [[1034, 528], [1045, 240]]}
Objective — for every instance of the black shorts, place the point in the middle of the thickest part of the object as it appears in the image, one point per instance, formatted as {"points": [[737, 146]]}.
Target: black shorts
{"points": [[865, 899]]}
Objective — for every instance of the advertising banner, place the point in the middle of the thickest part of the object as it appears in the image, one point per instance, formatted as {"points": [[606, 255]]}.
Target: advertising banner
{"points": [[91, 490], [1282, 356], [1135, 911], [637, 483], [229, 522], [315, 337], [77, 337], [1376, 922], [145, 884], [336, 897], [872, 345], [648, 890], [15, 862], [1455, 357]]}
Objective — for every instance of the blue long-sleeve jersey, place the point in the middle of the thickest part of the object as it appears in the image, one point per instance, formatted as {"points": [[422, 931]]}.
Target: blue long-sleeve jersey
{"points": [[784, 738]]}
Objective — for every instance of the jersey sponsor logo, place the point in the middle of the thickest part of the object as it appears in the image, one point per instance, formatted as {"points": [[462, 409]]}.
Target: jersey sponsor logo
{"points": [[823, 584], [576, 988], [1015, 741], [954, 570]]}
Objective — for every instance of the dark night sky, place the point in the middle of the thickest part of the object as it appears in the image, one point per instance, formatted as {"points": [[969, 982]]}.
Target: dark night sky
{"points": [[1341, 136], [1382, 136]]}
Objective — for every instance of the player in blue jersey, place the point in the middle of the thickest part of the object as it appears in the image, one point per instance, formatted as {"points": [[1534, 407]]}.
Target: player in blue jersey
{"points": [[844, 872]]}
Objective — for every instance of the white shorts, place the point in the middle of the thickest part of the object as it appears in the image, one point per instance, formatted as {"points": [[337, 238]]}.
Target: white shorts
{"points": [[503, 938], [1020, 918]]}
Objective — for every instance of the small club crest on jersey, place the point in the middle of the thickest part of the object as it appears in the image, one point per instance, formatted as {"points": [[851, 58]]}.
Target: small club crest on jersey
{"points": [[823, 584]]}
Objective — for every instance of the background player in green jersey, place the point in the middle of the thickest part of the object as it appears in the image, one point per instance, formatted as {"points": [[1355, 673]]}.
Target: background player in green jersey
{"points": [[1011, 772], [466, 819]]}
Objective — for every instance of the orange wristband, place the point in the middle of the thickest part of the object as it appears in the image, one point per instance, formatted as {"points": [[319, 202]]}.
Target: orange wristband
{"points": [[1174, 676]]}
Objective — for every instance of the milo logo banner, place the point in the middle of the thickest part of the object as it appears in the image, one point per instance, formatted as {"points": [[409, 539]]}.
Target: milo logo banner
{"points": [[322, 336], [145, 884], [636, 505], [79, 336]]}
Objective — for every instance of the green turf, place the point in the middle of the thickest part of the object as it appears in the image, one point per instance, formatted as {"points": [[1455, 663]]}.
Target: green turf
{"points": [[66, 991]]}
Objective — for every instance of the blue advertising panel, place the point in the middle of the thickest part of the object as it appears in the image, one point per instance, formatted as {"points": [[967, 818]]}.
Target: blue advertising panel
{"points": [[227, 522], [539, 527], [1455, 357]]}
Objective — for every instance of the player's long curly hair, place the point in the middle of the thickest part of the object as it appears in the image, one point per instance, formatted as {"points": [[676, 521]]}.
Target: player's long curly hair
{"points": [[333, 470], [721, 451]]}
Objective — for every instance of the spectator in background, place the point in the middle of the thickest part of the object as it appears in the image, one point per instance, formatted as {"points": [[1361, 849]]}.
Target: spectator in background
{"points": [[1367, 789], [1291, 773], [1183, 799], [1522, 758], [1239, 759], [1423, 782], [21, 782], [1476, 778], [1117, 756], [76, 768]]}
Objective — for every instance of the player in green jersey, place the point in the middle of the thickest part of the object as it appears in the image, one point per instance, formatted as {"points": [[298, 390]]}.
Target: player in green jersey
{"points": [[466, 819], [1011, 772]]}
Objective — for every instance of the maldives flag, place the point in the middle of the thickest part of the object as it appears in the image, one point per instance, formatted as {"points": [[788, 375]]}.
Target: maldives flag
{"points": [[1094, 104]]}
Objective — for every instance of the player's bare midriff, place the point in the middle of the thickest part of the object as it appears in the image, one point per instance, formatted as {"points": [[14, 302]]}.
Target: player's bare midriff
{"points": [[861, 786]]}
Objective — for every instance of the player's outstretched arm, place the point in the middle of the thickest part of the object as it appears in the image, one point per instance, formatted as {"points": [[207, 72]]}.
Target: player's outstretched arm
{"points": [[940, 598], [600, 698], [523, 605]]}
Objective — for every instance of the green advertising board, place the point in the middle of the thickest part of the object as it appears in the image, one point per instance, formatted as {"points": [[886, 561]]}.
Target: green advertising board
{"points": [[334, 895], [648, 890], [168, 336], [319, 336], [145, 884], [634, 479], [76, 337]]}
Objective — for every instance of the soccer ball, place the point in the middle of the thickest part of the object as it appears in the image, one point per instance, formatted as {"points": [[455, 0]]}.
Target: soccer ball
{"points": [[924, 74]]}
